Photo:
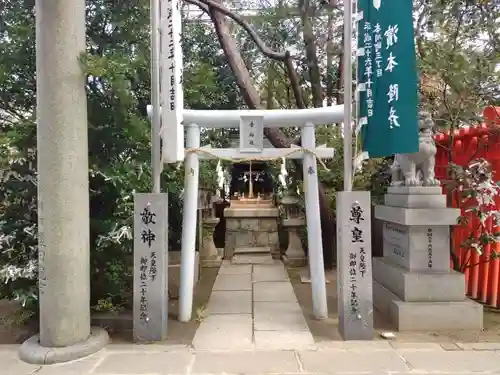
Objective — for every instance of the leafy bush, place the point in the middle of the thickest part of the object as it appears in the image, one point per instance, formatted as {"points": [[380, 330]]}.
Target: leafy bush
{"points": [[477, 195]]}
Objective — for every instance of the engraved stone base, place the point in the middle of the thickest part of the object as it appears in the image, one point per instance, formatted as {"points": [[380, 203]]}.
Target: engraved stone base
{"points": [[413, 284], [417, 248], [419, 286], [427, 316]]}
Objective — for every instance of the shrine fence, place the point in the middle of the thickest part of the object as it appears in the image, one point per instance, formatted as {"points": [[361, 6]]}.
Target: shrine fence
{"points": [[482, 275]]}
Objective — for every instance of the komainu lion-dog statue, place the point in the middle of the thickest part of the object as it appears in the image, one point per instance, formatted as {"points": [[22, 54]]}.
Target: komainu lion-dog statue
{"points": [[417, 169]]}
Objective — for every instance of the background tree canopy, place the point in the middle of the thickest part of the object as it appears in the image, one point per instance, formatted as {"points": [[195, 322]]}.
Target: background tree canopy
{"points": [[458, 47]]}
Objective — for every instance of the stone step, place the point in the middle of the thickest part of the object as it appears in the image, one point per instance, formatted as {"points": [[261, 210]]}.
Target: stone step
{"points": [[252, 250], [253, 259], [427, 316]]}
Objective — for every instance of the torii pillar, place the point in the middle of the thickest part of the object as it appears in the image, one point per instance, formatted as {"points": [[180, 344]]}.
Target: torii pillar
{"points": [[63, 189]]}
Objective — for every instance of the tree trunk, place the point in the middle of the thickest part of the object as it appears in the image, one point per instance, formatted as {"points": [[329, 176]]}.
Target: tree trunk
{"points": [[329, 60], [306, 15], [277, 138], [340, 75]]}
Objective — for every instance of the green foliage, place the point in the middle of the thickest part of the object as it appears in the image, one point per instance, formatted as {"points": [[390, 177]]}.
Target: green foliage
{"points": [[458, 46], [117, 69]]}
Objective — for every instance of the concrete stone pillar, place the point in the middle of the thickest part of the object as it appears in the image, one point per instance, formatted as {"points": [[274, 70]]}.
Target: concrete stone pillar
{"points": [[63, 188]]}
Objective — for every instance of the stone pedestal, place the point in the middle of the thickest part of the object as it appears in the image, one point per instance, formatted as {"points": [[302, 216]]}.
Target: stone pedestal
{"points": [[413, 283], [294, 254], [251, 227], [209, 254]]}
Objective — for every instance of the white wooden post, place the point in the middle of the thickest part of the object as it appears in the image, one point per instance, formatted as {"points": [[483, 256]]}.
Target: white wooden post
{"points": [[172, 99], [191, 166], [314, 239], [156, 162]]}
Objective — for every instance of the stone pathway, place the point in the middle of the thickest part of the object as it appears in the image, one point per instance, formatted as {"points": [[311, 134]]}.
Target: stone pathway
{"points": [[375, 357], [253, 306]]}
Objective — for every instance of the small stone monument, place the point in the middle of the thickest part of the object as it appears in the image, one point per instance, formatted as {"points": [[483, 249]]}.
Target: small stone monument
{"points": [[150, 267], [354, 265], [210, 256], [414, 285], [294, 255]]}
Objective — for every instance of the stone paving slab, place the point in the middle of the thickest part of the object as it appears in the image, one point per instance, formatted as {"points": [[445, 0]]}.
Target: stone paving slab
{"points": [[279, 316], [268, 315], [282, 340], [225, 332], [251, 362], [145, 363], [10, 363], [274, 291], [479, 346], [233, 282], [230, 302], [235, 269], [269, 273], [322, 358], [335, 361], [453, 361]]}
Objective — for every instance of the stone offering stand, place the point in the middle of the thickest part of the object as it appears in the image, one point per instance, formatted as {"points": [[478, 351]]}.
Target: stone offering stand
{"points": [[251, 228], [209, 254], [413, 284], [292, 221]]}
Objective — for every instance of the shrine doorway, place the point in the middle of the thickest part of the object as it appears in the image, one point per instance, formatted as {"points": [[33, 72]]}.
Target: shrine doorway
{"points": [[258, 172]]}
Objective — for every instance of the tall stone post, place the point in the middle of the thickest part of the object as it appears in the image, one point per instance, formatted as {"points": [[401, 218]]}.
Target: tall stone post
{"points": [[63, 188], [188, 256], [316, 263]]}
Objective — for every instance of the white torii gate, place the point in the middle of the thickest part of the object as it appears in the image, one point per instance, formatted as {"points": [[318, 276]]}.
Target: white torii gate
{"points": [[169, 118], [306, 119]]}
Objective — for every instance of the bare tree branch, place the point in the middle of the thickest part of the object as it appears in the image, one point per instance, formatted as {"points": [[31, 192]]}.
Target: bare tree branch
{"points": [[285, 56], [199, 4], [268, 52]]}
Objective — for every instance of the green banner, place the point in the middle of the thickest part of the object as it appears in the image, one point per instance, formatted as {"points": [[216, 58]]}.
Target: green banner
{"points": [[387, 78]]}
